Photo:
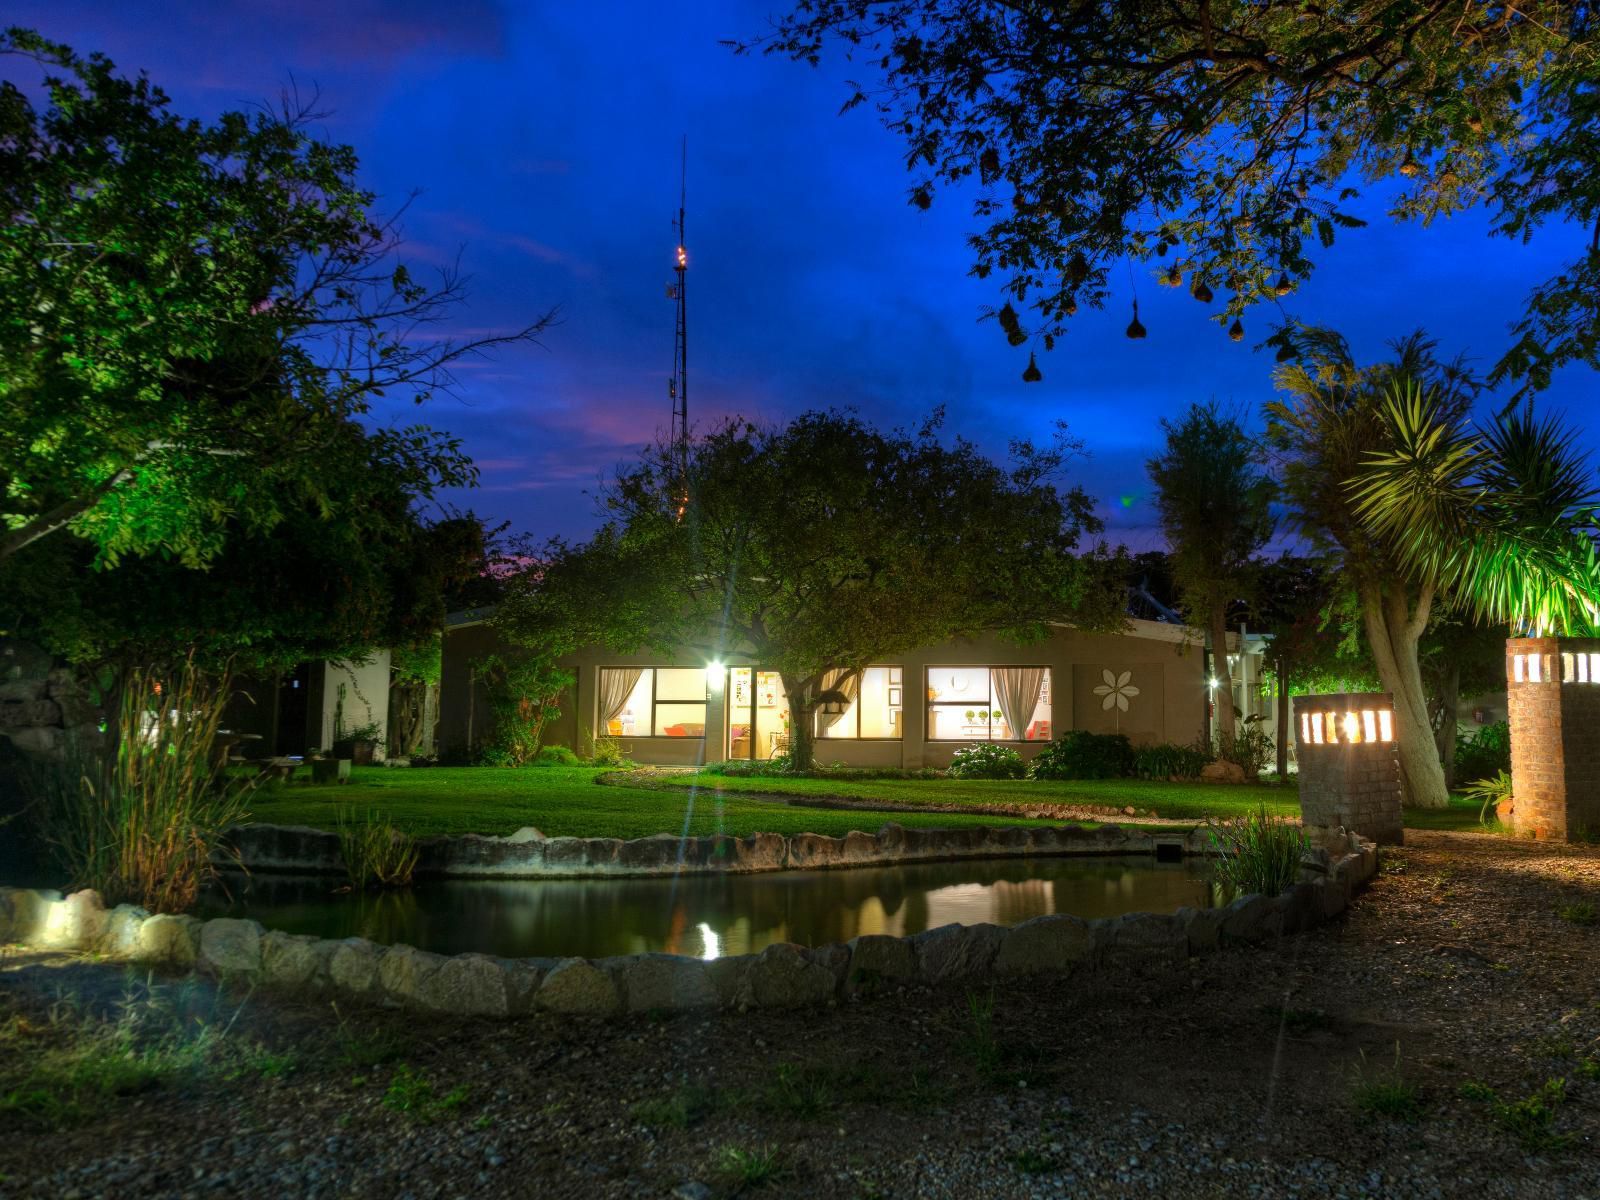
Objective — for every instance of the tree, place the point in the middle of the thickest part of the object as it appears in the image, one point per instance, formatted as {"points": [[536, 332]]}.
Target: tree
{"points": [[819, 549], [1384, 470], [190, 314], [1215, 504], [1225, 140], [1289, 606]]}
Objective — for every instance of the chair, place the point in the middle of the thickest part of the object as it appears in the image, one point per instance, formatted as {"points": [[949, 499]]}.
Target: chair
{"points": [[780, 745]]}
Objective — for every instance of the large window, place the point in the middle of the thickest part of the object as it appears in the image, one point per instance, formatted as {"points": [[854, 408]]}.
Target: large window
{"points": [[869, 705], [988, 704], [653, 701]]}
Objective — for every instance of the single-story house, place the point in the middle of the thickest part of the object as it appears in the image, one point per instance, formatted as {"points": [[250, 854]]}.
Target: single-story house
{"points": [[1150, 682], [291, 713]]}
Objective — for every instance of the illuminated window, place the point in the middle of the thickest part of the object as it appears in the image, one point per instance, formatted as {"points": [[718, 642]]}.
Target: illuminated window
{"points": [[661, 701], [970, 704], [872, 710]]}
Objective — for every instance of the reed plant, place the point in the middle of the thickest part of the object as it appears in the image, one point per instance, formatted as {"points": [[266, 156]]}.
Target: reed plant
{"points": [[138, 820], [376, 854], [1256, 852]]}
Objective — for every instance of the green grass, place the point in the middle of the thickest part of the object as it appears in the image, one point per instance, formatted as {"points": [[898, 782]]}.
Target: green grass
{"points": [[565, 801]]}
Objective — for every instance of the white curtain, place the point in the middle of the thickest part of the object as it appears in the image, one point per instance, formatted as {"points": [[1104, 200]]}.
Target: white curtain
{"points": [[616, 685], [848, 685], [1016, 691]]}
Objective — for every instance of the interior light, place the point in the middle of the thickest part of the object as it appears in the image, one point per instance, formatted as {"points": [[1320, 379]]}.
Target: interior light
{"points": [[715, 672]]}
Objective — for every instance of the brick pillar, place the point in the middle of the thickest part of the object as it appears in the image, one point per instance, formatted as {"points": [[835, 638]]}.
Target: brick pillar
{"points": [[1553, 701], [1349, 775]]}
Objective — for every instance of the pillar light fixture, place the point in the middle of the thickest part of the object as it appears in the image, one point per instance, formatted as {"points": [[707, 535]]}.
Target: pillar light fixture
{"points": [[1352, 727]]}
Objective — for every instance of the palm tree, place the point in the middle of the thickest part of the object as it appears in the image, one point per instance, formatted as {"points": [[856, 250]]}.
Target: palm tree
{"points": [[1383, 466], [1216, 511]]}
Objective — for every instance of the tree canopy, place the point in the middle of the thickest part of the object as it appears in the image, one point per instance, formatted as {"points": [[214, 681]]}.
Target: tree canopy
{"points": [[817, 548], [190, 315], [1225, 142]]}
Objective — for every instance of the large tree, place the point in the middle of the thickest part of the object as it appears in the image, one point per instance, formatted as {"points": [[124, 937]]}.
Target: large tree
{"points": [[1226, 141], [818, 549], [190, 314], [1215, 503], [1383, 469]]}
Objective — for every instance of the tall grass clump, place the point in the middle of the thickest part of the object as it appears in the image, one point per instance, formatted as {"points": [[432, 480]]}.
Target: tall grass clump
{"points": [[138, 819], [1257, 852], [376, 854]]}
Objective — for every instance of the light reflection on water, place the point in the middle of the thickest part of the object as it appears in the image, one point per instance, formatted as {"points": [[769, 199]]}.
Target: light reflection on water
{"points": [[708, 915]]}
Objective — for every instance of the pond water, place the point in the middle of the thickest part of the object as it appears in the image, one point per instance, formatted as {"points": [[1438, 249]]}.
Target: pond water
{"points": [[710, 915]]}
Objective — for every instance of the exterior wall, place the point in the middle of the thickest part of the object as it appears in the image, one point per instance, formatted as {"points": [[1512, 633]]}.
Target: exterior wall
{"points": [[1356, 786], [1555, 737], [1164, 691], [365, 700]]}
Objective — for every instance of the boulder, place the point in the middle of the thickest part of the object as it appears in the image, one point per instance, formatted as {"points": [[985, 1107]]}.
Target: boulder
{"points": [[292, 960], [230, 946], [1202, 927], [956, 951], [878, 958], [785, 976], [1248, 919], [466, 984], [523, 976], [1145, 937], [24, 913], [526, 834], [121, 937], [727, 974], [78, 922], [666, 982], [354, 965], [1051, 943], [169, 940], [577, 986], [1222, 772]]}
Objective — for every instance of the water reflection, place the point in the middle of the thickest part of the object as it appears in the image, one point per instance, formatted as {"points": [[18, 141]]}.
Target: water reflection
{"points": [[706, 915]]}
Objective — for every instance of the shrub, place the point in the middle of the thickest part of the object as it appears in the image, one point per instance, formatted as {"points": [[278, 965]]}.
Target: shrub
{"points": [[1485, 754], [608, 753], [1489, 793], [138, 821], [1170, 761], [1079, 754], [987, 761], [556, 756], [1256, 852], [376, 854], [1250, 748], [524, 691]]}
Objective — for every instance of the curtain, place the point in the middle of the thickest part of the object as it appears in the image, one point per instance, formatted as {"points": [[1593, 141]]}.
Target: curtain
{"points": [[848, 685], [616, 685], [1016, 691]]}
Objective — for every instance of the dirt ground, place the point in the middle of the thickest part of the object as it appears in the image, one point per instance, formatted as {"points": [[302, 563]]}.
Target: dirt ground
{"points": [[1443, 1039]]}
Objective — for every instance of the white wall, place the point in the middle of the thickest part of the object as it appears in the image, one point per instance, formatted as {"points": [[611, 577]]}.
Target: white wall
{"points": [[366, 697]]}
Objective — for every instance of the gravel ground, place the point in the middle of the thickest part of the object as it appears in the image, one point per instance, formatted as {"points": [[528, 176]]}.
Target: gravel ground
{"points": [[1331, 1064]]}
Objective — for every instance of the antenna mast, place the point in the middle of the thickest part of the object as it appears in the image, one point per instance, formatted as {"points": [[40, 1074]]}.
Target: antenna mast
{"points": [[678, 385]]}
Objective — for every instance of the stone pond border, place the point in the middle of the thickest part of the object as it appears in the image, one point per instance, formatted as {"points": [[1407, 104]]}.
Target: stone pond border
{"points": [[781, 976]]}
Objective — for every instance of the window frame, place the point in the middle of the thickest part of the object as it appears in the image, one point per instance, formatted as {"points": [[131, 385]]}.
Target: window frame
{"points": [[818, 738], [655, 677], [989, 669]]}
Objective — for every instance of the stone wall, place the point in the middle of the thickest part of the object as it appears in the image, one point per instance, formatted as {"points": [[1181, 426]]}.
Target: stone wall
{"points": [[1354, 785], [528, 854], [1553, 704], [40, 703], [781, 976]]}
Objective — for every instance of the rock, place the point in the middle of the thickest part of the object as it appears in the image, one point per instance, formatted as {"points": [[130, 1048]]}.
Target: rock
{"points": [[292, 960], [1248, 919], [1051, 943], [785, 976], [398, 972], [281, 848], [577, 986], [526, 834], [692, 1190], [523, 976], [121, 937], [465, 984], [354, 967], [956, 951], [23, 660], [1145, 937], [727, 975], [666, 982], [78, 922], [37, 742], [24, 912], [1222, 772], [878, 958], [1202, 927], [169, 940], [229, 946]]}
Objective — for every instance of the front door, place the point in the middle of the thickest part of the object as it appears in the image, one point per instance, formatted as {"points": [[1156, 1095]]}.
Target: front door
{"points": [[758, 714]]}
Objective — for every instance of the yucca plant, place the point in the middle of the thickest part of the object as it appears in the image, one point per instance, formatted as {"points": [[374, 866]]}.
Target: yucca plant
{"points": [[138, 823], [1256, 852]]}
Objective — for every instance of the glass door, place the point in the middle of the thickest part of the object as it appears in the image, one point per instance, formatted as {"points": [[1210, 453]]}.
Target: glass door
{"points": [[758, 714]]}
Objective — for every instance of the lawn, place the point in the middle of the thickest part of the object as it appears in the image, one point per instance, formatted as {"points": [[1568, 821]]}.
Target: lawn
{"points": [[567, 801]]}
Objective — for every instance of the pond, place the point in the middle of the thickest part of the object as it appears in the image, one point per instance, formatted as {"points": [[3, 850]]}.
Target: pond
{"points": [[710, 915]]}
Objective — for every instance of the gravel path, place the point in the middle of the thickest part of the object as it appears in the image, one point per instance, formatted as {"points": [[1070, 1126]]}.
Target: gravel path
{"points": [[1242, 1075]]}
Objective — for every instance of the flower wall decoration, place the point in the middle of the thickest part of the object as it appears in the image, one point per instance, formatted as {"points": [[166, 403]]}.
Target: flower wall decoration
{"points": [[1116, 691]]}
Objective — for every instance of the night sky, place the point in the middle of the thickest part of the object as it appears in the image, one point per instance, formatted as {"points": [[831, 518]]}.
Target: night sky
{"points": [[544, 140]]}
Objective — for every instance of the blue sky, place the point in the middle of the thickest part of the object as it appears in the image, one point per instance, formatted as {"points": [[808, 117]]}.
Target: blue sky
{"points": [[544, 140]]}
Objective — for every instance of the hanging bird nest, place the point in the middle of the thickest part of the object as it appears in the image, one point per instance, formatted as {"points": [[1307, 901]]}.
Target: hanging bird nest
{"points": [[1236, 330], [1013, 327], [1032, 374], [1173, 276], [1283, 287], [1202, 292], [1135, 329]]}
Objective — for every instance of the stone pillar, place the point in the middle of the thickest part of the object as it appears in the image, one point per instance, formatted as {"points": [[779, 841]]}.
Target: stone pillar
{"points": [[1553, 703], [1349, 775]]}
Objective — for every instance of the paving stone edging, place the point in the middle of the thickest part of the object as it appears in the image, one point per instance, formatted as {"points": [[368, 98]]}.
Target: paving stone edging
{"points": [[528, 854], [780, 976]]}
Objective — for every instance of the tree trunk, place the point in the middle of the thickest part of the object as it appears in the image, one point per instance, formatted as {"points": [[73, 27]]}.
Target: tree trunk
{"points": [[1222, 694], [1280, 686], [1444, 733], [802, 737], [1394, 628]]}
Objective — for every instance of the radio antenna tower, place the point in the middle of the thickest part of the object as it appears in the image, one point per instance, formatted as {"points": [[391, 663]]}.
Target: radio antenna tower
{"points": [[678, 385]]}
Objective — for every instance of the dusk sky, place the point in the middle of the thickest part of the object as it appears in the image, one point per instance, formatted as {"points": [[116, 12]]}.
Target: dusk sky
{"points": [[544, 140]]}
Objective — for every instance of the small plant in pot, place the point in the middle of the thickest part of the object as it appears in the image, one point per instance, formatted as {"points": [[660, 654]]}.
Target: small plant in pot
{"points": [[358, 743]]}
